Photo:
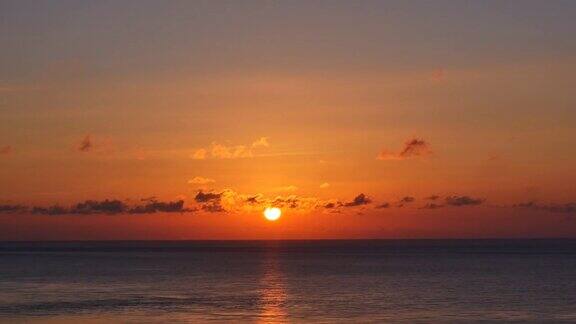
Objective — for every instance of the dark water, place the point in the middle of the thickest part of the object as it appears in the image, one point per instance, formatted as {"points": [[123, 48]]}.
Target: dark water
{"points": [[290, 281]]}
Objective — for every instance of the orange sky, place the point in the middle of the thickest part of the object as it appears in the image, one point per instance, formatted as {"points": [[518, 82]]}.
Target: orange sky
{"points": [[334, 111]]}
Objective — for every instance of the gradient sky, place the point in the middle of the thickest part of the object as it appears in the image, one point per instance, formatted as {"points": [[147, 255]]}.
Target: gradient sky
{"points": [[304, 105]]}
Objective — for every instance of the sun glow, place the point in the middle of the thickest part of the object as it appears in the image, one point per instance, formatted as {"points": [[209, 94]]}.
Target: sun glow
{"points": [[272, 213]]}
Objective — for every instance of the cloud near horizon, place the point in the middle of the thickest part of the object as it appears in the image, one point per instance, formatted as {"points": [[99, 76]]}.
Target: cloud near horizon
{"points": [[105, 207], [459, 201], [228, 201], [454, 201], [562, 208]]}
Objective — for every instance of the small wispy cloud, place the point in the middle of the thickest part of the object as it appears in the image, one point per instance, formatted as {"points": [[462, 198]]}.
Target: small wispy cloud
{"points": [[561, 208], [324, 185], [199, 154], [384, 205], [287, 188], [413, 148], [463, 201], [432, 206], [261, 142], [85, 144], [359, 200], [201, 181], [221, 151]]}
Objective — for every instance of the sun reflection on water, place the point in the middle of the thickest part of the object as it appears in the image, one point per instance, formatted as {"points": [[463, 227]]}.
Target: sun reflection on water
{"points": [[272, 292]]}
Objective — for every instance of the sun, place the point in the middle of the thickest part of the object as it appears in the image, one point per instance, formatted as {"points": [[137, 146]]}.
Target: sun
{"points": [[272, 213]]}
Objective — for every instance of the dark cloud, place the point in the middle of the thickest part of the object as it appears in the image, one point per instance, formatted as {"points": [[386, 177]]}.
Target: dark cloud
{"points": [[463, 201], [433, 197], [564, 208], [330, 205], [254, 200], [290, 202], [113, 207], [415, 147], [383, 205], [213, 207], [431, 206], [85, 145], [12, 208], [211, 201], [160, 207], [407, 200], [359, 200], [51, 210], [99, 207], [203, 197]]}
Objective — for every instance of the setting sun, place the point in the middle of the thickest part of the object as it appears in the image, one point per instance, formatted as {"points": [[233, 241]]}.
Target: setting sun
{"points": [[272, 213]]}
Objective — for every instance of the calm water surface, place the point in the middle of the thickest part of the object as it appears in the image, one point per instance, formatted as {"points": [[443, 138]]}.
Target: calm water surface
{"points": [[289, 281]]}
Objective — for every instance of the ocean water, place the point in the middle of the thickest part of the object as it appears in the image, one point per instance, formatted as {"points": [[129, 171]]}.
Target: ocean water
{"points": [[428, 281]]}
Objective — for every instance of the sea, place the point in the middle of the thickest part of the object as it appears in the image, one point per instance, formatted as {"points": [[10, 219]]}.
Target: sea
{"points": [[316, 281]]}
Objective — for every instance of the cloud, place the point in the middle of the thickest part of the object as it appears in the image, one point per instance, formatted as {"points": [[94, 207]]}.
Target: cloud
{"points": [[211, 201], [6, 150], [96, 207], [160, 207], [201, 181], [228, 200], [463, 201], [213, 207], [294, 202], [51, 210], [433, 197], [287, 188], [253, 200], [331, 205], [407, 200], [203, 197], [85, 144], [359, 200], [261, 142], [199, 154], [562, 208], [324, 185], [431, 206], [413, 148], [12, 208], [383, 205], [113, 207], [221, 151]]}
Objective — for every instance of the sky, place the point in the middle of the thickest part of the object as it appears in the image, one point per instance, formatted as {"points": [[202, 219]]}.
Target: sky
{"points": [[359, 119]]}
